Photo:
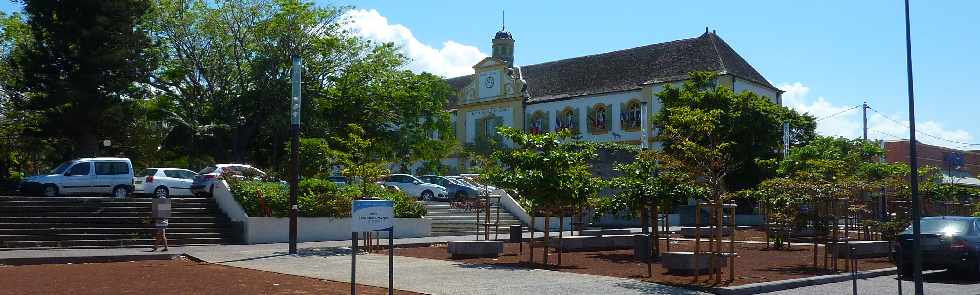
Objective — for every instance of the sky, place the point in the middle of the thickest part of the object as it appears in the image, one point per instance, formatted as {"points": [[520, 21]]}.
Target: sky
{"points": [[829, 56]]}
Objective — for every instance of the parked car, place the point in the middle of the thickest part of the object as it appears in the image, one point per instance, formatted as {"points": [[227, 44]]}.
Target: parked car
{"points": [[455, 189], [472, 183], [414, 187], [164, 182], [203, 184], [85, 176], [948, 242]]}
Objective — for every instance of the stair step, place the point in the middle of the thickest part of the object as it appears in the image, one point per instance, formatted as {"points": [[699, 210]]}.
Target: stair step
{"points": [[107, 230], [147, 234], [45, 225], [109, 243]]}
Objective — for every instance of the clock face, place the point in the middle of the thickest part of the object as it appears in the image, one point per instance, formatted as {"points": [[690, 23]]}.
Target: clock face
{"points": [[489, 84]]}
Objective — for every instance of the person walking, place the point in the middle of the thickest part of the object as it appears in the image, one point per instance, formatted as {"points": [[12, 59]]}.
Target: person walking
{"points": [[160, 223]]}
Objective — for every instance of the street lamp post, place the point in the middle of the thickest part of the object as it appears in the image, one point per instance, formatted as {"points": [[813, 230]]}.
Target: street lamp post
{"points": [[914, 162], [296, 102]]}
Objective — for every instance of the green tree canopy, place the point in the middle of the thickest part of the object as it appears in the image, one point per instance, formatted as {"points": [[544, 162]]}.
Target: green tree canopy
{"points": [[723, 132], [83, 67]]}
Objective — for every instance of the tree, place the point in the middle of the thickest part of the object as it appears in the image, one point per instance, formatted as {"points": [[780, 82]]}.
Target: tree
{"points": [[359, 156], [225, 80], [702, 126], [85, 63], [652, 180], [548, 174]]}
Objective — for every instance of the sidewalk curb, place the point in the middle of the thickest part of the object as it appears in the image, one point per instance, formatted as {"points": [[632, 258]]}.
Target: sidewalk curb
{"points": [[85, 259], [796, 283]]}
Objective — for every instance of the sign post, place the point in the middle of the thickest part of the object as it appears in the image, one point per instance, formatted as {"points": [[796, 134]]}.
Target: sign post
{"points": [[295, 103], [368, 216]]}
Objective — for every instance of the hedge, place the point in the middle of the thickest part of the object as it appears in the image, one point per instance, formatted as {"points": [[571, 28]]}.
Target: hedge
{"points": [[316, 198]]}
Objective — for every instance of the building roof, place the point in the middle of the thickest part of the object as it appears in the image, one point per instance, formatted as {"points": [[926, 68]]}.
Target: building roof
{"points": [[629, 68]]}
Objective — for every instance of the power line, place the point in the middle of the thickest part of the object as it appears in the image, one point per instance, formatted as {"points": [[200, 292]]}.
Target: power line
{"points": [[964, 144], [837, 113]]}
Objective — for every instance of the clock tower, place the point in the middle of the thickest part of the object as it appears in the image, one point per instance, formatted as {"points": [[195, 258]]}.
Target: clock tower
{"points": [[503, 47]]}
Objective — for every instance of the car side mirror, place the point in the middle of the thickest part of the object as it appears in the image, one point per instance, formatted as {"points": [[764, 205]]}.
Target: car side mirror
{"points": [[417, 182], [67, 173]]}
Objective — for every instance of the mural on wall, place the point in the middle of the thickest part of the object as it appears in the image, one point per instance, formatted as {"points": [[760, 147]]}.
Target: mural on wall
{"points": [[629, 115], [538, 123], [599, 118], [567, 119]]}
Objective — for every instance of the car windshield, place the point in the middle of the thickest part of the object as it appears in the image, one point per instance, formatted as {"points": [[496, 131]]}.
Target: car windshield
{"points": [[147, 172], [942, 226], [61, 168], [208, 169]]}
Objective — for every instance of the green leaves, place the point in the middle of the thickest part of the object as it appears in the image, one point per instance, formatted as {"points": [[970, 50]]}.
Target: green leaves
{"points": [[548, 173], [317, 198]]}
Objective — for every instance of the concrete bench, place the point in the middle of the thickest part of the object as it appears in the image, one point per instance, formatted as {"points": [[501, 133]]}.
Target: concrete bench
{"points": [[862, 249], [689, 232], [683, 262], [466, 249], [605, 232]]}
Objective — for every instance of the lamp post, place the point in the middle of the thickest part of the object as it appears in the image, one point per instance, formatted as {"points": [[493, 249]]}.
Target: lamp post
{"points": [[914, 162], [295, 104]]}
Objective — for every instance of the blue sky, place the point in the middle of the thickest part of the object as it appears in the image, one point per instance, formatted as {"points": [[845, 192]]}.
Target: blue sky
{"points": [[828, 55]]}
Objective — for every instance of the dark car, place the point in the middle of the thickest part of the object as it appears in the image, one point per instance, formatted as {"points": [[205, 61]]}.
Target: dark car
{"points": [[948, 242], [454, 189]]}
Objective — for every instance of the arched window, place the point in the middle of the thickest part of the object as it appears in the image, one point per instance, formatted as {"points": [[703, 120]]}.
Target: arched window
{"points": [[599, 117], [630, 115], [538, 123], [567, 119]]}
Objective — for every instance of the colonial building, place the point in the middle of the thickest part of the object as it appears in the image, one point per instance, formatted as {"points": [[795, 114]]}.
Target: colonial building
{"points": [[598, 97]]}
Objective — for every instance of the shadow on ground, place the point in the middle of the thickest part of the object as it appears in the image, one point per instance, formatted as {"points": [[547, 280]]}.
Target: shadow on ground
{"points": [[948, 277]]}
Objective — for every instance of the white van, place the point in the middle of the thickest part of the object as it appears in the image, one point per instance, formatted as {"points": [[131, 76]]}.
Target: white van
{"points": [[86, 176]]}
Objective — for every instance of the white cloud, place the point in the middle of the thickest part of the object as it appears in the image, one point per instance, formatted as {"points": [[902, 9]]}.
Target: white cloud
{"points": [[451, 60], [880, 126]]}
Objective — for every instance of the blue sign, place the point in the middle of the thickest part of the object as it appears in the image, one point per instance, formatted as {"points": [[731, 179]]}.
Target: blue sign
{"points": [[372, 215]]}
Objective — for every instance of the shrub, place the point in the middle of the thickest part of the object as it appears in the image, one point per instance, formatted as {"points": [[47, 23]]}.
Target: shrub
{"points": [[317, 198]]}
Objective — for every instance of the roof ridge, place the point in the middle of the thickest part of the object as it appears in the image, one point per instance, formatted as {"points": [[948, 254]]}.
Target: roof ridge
{"points": [[714, 44], [611, 52]]}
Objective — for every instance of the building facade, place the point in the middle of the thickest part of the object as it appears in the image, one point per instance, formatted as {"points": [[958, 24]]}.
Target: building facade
{"points": [[957, 166], [597, 97]]}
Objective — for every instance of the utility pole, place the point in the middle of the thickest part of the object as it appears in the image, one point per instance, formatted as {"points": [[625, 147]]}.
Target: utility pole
{"points": [[296, 102], [864, 112], [914, 162], [786, 139]]}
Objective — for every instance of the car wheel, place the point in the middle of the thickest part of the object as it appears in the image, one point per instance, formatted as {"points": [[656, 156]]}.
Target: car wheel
{"points": [[427, 195], [120, 192], [162, 192], [50, 190]]}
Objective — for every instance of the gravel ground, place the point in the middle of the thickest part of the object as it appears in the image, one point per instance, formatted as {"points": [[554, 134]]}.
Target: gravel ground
{"points": [[162, 277]]}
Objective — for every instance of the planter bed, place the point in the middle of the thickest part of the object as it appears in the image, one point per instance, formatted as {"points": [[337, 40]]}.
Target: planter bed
{"points": [[753, 265]]}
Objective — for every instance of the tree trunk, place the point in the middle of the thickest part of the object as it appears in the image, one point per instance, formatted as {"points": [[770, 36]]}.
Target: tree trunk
{"points": [[561, 235], [86, 144], [547, 237], [655, 242], [530, 244]]}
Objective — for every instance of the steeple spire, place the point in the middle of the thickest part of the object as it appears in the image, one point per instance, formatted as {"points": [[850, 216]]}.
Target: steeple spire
{"points": [[503, 20]]}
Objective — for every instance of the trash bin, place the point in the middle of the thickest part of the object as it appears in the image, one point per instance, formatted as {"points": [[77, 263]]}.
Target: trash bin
{"points": [[516, 233], [641, 246]]}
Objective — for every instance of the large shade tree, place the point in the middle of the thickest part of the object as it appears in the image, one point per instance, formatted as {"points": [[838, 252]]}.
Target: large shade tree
{"points": [[82, 68]]}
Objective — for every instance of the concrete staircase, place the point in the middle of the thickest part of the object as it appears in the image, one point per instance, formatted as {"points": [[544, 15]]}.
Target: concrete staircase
{"points": [[99, 222], [448, 221]]}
